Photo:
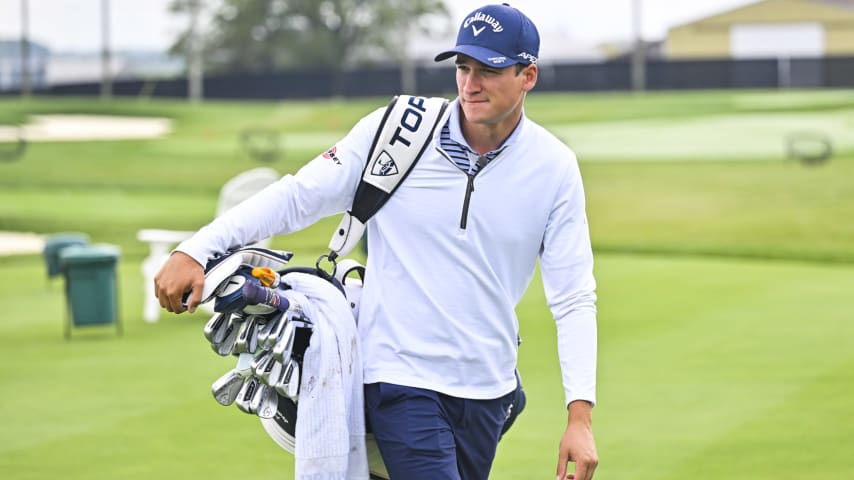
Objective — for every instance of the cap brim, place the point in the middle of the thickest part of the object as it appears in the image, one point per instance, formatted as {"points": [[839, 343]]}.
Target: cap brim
{"points": [[482, 55]]}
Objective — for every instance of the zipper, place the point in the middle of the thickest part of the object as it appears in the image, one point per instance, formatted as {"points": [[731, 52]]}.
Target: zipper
{"points": [[481, 162]]}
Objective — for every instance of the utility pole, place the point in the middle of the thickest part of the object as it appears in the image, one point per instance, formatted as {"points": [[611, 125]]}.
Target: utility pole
{"points": [[26, 84], [195, 72], [408, 77], [639, 51], [106, 71]]}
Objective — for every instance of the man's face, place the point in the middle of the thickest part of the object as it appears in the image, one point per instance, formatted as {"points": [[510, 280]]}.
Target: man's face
{"points": [[490, 95]]}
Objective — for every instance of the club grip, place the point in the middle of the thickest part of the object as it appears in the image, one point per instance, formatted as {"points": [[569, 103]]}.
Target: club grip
{"points": [[256, 294]]}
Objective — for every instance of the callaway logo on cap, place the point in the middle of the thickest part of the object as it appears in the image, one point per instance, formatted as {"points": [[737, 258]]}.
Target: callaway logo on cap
{"points": [[497, 35]]}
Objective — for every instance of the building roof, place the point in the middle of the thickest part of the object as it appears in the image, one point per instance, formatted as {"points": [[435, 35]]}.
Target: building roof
{"points": [[12, 48], [847, 5]]}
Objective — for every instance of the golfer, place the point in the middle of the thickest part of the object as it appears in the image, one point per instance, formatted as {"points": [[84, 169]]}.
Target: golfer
{"points": [[451, 254]]}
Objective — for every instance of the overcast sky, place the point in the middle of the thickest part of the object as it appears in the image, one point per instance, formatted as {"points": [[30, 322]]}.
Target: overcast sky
{"points": [[75, 25]]}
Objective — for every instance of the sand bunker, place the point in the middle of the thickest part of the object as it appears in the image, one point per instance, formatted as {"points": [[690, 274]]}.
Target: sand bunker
{"points": [[71, 128], [16, 243]]}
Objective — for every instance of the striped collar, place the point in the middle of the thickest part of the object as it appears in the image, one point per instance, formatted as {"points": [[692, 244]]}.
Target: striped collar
{"points": [[457, 133]]}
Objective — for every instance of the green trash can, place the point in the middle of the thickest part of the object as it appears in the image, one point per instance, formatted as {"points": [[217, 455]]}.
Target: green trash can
{"points": [[91, 285], [55, 243]]}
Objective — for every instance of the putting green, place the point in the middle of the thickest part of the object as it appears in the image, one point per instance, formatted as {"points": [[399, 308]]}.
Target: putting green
{"points": [[744, 136]]}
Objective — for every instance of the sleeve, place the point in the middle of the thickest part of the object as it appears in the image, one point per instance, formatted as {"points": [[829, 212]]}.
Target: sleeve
{"points": [[323, 187], [566, 263]]}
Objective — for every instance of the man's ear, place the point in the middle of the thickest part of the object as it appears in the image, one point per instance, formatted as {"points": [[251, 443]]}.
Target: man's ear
{"points": [[530, 73]]}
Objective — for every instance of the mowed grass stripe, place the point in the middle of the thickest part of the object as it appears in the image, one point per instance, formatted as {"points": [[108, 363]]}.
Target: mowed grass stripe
{"points": [[189, 439], [731, 342], [805, 434], [733, 137], [690, 351]]}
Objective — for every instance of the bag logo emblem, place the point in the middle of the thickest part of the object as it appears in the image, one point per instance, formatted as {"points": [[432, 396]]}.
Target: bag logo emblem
{"points": [[384, 166]]}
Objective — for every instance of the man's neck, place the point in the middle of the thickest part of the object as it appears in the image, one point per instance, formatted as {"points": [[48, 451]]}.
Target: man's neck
{"points": [[484, 138]]}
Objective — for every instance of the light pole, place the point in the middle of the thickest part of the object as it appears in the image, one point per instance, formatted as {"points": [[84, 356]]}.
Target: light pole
{"points": [[26, 85], [408, 77], [106, 71], [639, 51], [195, 72]]}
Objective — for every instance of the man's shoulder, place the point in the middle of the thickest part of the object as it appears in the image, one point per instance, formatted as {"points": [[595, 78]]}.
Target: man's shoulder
{"points": [[539, 137], [374, 119], [367, 126]]}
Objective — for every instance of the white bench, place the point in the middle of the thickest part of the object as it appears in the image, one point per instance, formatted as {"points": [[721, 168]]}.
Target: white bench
{"points": [[161, 242]]}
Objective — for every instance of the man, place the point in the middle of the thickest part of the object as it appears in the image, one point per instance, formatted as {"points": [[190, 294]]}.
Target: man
{"points": [[451, 254]]}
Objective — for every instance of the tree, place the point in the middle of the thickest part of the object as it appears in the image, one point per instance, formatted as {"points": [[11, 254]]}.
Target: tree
{"points": [[268, 35]]}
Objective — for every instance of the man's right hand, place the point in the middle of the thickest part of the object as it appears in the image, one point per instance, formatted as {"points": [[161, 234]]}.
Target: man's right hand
{"points": [[180, 274]]}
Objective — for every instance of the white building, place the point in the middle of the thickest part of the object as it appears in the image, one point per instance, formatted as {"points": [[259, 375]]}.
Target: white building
{"points": [[11, 65]]}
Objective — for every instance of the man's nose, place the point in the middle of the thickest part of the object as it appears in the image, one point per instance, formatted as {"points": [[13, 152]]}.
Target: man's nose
{"points": [[472, 83]]}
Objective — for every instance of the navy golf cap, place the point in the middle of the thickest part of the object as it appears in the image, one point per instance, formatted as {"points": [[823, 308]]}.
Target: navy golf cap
{"points": [[498, 36]]}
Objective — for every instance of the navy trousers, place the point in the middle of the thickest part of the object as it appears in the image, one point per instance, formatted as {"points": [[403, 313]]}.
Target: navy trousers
{"points": [[427, 435]]}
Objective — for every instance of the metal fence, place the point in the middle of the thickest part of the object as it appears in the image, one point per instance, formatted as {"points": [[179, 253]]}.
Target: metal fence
{"points": [[435, 80]]}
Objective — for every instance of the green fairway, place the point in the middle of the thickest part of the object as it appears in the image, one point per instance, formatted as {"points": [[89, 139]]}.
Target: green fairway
{"points": [[704, 365], [725, 270], [706, 368]]}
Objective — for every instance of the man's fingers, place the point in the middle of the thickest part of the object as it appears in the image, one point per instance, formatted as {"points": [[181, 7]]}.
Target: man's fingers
{"points": [[178, 303], [179, 283], [195, 296], [169, 303], [584, 469], [170, 296], [562, 460]]}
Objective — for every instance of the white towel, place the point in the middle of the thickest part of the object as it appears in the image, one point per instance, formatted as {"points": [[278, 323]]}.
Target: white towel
{"points": [[330, 429]]}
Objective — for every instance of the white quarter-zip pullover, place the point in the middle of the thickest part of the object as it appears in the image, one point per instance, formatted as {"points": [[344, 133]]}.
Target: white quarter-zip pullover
{"points": [[450, 256]]}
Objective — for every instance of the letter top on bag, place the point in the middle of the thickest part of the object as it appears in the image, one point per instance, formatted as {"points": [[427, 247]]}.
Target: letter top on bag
{"points": [[404, 133]]}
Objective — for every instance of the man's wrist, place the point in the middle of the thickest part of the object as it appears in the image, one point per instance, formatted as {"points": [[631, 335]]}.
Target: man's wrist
{"points": [[580, 410]]}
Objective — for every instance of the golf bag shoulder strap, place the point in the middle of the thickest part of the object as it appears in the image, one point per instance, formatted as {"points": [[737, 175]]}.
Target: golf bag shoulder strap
{"points": [[404, 133]]}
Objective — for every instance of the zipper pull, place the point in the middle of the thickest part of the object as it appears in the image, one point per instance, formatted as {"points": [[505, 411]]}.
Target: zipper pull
{"points": [[481, 162]]}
